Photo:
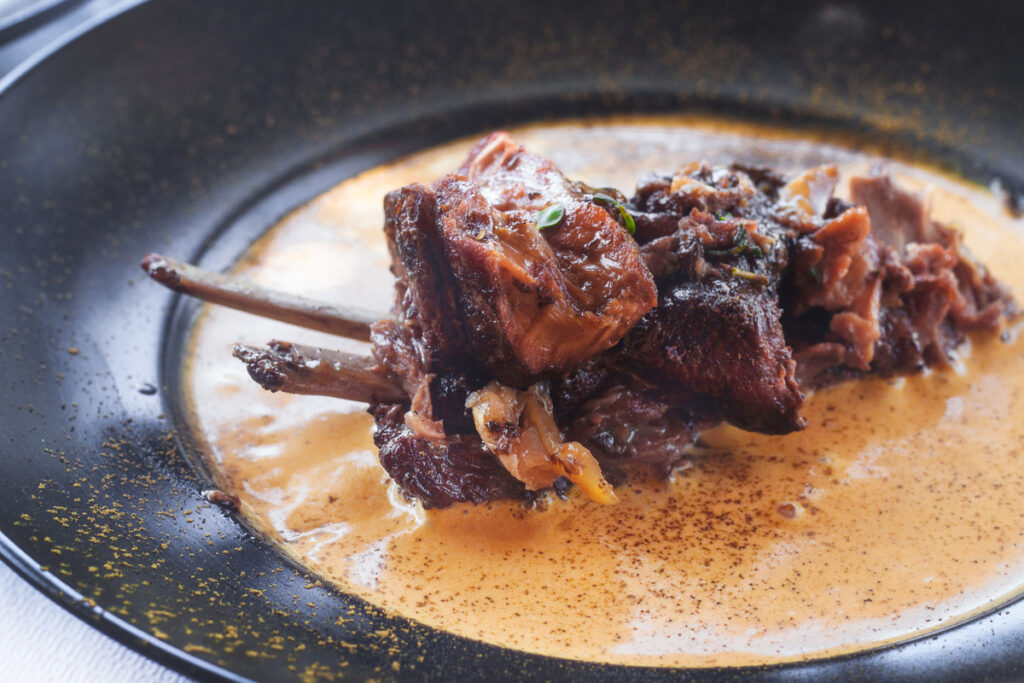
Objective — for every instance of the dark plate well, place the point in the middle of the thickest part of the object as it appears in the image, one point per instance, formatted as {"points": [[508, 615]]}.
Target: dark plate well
{"points": [[190, 127]]}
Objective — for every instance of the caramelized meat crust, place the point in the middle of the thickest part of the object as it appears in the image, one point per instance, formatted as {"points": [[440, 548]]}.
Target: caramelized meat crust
{"points": [[723, 342], [426, 291], [540, 302], [477, 276]]}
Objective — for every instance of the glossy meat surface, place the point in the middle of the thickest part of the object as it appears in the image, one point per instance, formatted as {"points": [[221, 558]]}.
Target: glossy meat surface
{"points": [[541, 302], [475, 274]]}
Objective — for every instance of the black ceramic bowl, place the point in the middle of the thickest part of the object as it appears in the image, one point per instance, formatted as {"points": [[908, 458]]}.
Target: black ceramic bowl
{"points": [[189, 127]]}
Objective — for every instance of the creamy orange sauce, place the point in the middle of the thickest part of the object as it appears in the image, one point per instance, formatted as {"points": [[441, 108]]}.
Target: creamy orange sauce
{"points": [[896, 512]]}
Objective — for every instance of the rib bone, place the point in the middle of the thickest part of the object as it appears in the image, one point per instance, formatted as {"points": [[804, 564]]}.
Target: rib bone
{"points": [[343, 321], [298, 369]]}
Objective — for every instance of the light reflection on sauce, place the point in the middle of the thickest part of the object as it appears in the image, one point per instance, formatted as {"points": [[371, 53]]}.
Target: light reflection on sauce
{"points": [[897, 511]]}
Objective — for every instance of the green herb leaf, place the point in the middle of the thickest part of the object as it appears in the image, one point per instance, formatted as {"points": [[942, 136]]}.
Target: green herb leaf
{"points": [[816, 274], [550, 216], [628, 221]]}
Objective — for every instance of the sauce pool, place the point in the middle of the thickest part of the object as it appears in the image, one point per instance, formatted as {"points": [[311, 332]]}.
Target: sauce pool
{"points": [[897, 511]]}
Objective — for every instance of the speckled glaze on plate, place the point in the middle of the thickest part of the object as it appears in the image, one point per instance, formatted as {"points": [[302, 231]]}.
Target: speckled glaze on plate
{"points": [[191, 127]]}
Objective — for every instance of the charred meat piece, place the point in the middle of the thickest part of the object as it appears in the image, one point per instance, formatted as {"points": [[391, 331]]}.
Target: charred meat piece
{"points": [[722, 341], [426, 291], [716, 331], [522, 302]]}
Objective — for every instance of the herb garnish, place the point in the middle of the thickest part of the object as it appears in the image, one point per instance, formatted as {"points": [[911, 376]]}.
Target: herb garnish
{"points": [[550, 216], [740, 243], [627, 218], [815, 273], [756, 278]]}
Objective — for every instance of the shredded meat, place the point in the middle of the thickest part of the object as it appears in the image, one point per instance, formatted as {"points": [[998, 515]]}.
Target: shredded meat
{"points": [[898, 290]]}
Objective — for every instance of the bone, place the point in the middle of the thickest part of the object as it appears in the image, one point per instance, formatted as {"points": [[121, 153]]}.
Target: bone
{"points": [[345, 321], [298, 369]]}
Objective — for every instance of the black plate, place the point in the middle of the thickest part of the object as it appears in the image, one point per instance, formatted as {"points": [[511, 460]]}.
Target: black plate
{"points": [[189, 127]]}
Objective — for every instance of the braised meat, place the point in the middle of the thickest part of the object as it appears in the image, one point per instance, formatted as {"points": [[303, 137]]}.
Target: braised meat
{"points": [[682, 345], [628, 424], [547, 333], [476, 275], [439, 474], [869, 287], [526, 313], [483, 293]]}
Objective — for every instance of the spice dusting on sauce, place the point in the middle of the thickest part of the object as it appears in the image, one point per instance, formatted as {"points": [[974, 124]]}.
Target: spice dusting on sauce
{"points": [[895, 512]]}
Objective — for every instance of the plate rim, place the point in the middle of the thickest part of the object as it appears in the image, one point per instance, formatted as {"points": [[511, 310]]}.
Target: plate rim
{"points": [[177, 659]]}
